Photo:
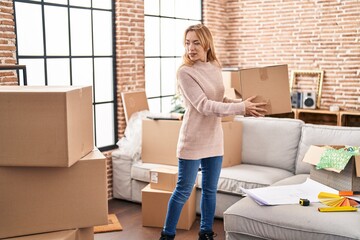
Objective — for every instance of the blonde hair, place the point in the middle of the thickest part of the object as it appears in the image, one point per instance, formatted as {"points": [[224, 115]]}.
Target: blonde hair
{"points": [[206, 41]]}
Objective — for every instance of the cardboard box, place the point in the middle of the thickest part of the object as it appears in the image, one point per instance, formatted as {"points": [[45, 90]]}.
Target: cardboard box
{"points": [[159, 142], [45, 126], [154, 208], [39, 199], [134, 102], [347, 179], [231, 79], [74, 234], [270, 84], [163, 179]]}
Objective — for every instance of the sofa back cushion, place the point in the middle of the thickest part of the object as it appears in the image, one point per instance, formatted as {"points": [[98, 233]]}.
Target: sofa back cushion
{"points": [[271, 142], [324, 135]]}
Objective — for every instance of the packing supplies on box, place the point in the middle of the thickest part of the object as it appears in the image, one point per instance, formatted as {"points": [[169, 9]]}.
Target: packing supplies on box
{"points": [[159, 142], [42, 199], [74, 234], [163, 179], [45, 126], [154, 208], [335, 166]]}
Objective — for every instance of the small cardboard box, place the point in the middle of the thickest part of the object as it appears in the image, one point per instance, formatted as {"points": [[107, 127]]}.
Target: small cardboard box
{"points": [[154, 208], [163, 179], [44, 199], [160, 138], [45, 126], [74, 234], [347, 179]]}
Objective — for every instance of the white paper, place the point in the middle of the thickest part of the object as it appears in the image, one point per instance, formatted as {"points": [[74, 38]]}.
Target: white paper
{"points": [[288, 194]]}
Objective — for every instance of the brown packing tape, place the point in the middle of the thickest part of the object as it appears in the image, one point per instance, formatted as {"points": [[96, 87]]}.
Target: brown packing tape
{"points": [[263, 74]]}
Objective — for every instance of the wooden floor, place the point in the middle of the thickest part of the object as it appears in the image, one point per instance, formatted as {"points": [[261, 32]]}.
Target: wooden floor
{"points": [[129, 215]]}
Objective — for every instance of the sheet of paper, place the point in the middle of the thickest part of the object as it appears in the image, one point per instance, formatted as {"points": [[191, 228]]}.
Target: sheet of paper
{"points": [[288, 194]]}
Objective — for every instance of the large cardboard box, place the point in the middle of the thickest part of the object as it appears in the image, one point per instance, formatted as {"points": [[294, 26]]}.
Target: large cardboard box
{"points": [[45, 126], [270, 84], [159, 142], [347, 179], [43, 199], [154, 208], [73, 234], [163, 179]]}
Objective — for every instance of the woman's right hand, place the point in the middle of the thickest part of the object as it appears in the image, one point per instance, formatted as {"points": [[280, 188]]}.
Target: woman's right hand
{"points": [[254, 109]]}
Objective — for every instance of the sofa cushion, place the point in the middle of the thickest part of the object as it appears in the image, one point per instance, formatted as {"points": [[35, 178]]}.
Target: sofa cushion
{"points": [[289, 222], [271, 142], [324, 135], [247, 176]]}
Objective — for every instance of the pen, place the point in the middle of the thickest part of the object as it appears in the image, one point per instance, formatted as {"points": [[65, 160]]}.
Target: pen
{"points": [[337, 209]]}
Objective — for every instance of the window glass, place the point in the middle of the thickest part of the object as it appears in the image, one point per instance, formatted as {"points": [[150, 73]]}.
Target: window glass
{"points": [[29, 29], [152, 76], [103, 79], [103, 4], [64, 2], [82, 71], [151, 7], [166, 106], [152, 39], [168, 76], [58, 71], [182, 9], [168, 39], [104, 122], [102, 33], [154, 105], [80, 26], [167, 8], [35, 72], [80, 3], [57, 32]]}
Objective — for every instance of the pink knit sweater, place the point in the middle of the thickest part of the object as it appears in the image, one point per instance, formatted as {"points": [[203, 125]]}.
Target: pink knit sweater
{"points": [[201, 133]]}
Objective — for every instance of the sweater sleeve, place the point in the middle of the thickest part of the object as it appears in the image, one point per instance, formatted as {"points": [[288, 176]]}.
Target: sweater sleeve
{"points": [[195, 95], [231, 100]]}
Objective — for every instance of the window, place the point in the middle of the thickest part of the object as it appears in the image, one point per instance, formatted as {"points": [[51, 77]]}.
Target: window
{"points": [[165, 23], [70, 42]]}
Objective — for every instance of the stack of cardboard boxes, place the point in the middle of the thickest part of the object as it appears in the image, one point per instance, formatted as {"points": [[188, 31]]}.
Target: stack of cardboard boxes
{"points": [[156, 195], [52, 179]]}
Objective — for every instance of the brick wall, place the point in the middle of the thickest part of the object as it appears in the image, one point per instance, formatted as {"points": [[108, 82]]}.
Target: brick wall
{"points": [[129, 21], [303, 34], [7, 42], [306, 35]]}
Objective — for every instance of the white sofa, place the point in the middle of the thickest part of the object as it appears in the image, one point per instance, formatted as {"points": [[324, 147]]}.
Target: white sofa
{"points": [[272, 152]]}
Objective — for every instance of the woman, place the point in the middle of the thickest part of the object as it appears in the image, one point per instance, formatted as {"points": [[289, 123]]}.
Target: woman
{"points": [[201, 137]]}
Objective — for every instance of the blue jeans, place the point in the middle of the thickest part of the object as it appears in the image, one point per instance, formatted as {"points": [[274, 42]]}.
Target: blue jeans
{"points": [[188, 169]]}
